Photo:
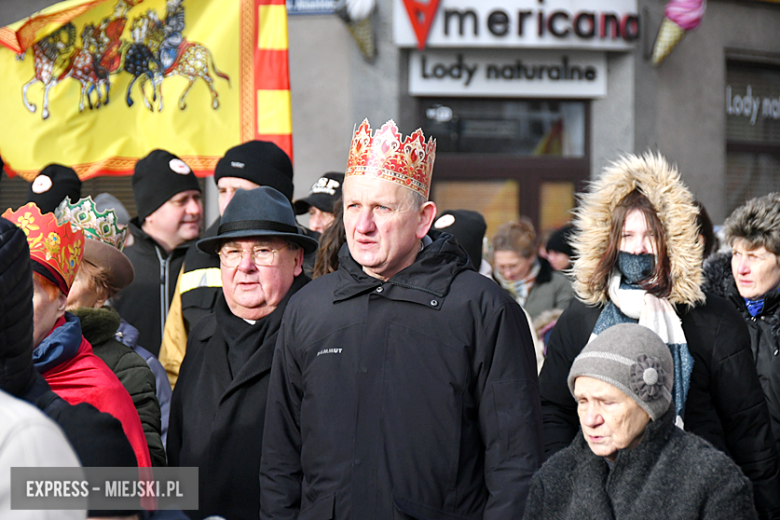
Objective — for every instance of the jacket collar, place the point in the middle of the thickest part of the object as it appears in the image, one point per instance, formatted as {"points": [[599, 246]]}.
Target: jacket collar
{"points": [[430, 275], [61, 345], [144, 238], [98, 325]]}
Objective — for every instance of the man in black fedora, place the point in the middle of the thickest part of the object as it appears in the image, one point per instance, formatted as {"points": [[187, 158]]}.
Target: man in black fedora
{"points": [[218, 405], [246, 167]]}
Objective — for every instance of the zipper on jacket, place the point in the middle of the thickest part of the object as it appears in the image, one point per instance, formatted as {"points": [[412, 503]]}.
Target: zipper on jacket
{"points": [[163, 289]]}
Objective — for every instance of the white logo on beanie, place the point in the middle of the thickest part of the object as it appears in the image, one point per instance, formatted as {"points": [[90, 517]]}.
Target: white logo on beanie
{"points": [[179, 166], [444, 221], [41, 184], [236, 164]]}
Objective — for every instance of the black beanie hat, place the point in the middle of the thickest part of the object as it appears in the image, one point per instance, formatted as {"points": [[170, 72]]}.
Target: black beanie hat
{"points": [[158, 177], [52, 185], [468, 228], [261, 162], [561, 241]]}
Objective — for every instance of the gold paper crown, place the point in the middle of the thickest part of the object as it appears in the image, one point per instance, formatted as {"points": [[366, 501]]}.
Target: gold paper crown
{"points": [[407, 162], [57, 246]]}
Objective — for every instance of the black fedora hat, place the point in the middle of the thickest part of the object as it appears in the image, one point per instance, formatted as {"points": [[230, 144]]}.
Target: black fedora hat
{"points": [[261, 212]]}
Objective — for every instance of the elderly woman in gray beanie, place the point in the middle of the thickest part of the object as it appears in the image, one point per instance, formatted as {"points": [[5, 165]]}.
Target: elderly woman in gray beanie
{"points": [[629, 460]]}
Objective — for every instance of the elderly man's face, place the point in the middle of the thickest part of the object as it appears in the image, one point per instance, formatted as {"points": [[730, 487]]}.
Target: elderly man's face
{"points": [[383, 231], [755, 270], [610, 420], [252, 291]]}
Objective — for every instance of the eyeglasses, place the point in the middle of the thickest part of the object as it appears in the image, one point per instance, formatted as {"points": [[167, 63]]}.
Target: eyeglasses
{"points": [[261, 256]]}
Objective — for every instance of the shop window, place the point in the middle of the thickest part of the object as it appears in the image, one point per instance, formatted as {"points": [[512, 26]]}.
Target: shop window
{"points": [[752, 131], [508, 158], [555, 128], [496, 200]]}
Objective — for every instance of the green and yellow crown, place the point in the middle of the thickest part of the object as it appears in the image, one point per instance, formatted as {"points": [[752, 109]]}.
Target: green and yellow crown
{"points": [[97, 225]]}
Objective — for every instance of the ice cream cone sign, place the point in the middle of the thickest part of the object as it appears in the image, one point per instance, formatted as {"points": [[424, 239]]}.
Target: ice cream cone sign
{"points": [[680, 16], [357, 15]]}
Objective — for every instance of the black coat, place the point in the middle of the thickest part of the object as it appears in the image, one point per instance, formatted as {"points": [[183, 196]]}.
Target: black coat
{"points": [[145, 302], [725, 404], [411, 398], [764, 332], [669, 475], [217, 417]]}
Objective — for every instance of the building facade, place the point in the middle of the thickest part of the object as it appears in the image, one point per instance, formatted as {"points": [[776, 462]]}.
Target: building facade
{"points": [[528, 99]]}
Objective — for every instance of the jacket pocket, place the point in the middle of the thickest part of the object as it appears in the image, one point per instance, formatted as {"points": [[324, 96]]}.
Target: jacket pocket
{"points": [[408, 510], [321, 509]]}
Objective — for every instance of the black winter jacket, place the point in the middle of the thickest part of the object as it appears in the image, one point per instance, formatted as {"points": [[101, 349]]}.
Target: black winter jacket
{"points": [[669, 475], [725, 404], [764, 332], [411, 398], [145, 302], [217, 416], [99, 327]]}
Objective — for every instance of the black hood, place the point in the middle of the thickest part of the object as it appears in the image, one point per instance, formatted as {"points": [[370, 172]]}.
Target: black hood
{"points": [[16, 310], [432, 271]]}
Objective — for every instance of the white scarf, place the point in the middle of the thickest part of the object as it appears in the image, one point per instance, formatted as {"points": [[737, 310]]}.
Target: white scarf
{"points": [[658, 315]]}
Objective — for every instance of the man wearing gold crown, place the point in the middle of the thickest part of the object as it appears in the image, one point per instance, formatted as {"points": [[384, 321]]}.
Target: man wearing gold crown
{"points": [[404, 384]]}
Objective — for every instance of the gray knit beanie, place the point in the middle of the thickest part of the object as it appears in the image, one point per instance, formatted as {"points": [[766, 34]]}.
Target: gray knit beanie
{"points": [[633, 359]]}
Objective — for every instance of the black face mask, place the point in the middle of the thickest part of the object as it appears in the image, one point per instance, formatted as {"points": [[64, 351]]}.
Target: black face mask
{"points": [[635, 268]]}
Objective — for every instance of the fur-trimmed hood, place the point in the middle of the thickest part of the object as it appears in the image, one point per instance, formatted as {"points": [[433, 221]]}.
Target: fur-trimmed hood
{"points": [[660, 182]]}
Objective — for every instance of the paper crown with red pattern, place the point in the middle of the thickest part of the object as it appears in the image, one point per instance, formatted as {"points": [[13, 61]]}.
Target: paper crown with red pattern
{"points": [[408, 162], [57, 247]]}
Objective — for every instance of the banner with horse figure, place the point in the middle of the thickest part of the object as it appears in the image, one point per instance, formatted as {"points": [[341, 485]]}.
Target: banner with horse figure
{"points": [[98, 84]]}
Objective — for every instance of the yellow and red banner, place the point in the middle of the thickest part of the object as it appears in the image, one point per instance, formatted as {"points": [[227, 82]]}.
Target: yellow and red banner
{"points": [[98, 84]]}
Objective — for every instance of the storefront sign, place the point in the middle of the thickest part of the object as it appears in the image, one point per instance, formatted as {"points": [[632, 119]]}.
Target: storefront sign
{"points": [[311, 6], [511, 73], [752, 104], [573, 24], [743, 103]]}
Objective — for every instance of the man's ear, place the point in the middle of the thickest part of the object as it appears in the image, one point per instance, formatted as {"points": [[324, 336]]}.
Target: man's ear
{"points": [[298, 269], [427, 216]]}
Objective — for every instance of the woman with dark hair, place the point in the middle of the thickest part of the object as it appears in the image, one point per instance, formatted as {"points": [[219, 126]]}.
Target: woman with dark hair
{"points": [[331, 241], [639, 261]]}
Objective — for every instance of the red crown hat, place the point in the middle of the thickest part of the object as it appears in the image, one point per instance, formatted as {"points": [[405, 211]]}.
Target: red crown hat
{"points": [[408, 162], [57, 247]]}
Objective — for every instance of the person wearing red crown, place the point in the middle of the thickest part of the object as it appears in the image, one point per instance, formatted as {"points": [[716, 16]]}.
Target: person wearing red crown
{"points": [[61, 354], [403, 384]]}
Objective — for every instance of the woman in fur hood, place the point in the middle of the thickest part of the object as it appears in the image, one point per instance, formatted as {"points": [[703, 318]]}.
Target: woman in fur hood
{"points": [[749, 277], [639, 260]]}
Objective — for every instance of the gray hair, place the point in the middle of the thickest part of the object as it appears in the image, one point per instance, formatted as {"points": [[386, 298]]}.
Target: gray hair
{"points": [[757, 222]]}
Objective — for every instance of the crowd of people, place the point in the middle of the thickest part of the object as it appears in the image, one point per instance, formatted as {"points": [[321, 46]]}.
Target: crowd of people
{"points": [[389, 361]]}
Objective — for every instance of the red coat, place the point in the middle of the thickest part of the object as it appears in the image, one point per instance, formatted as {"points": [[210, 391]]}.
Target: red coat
{"points": [[86, 379]]}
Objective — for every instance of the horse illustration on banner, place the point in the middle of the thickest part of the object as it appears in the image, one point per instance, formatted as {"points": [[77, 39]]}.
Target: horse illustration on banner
{"points": [[52, 59], [158, 50]]}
